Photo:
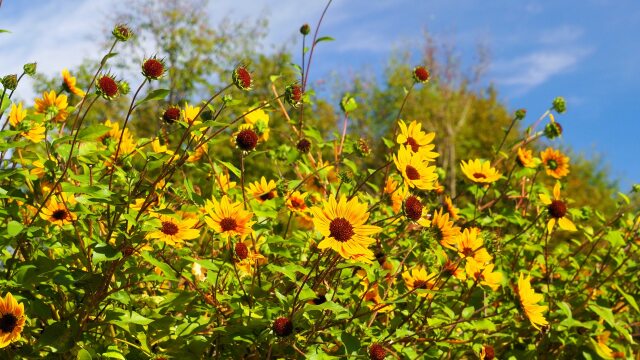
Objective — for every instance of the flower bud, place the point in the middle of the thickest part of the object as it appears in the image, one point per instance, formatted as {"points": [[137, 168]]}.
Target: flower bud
{"points": [[305, 29], [242, 78], [421, 74], [153, 69], [377, 352], [293, 95], [303, 146], [282, 326], [559, 105], [247, 139], [363, 147], [107, 87], [553, 130], [122, 32], [520, 114], [30, 68], [124, 87], [10, 82], [171, 114]]}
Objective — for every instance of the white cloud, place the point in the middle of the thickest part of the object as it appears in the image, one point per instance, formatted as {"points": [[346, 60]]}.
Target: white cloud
{"points": [[561, 35]]}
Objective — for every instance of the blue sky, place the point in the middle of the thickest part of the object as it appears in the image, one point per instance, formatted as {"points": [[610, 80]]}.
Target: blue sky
{"points": [[584, 50]]}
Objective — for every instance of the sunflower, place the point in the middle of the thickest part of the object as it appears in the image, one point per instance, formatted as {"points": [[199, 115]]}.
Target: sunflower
{"points": [[11, 320], [57, 211], [453, 269], [128, 144], [16, 115], [225, 182], [259, 120], [557, 210], [528, 300], [444, 230], [470, 245], [342, 225], [36, 133], [160, 149], [198, 153], [480, 172], [175, 230], [417, 279], [228, 219], [484, 275], [555, 163], [447, 204], [69, 83], [263, 190], [296, 202], [525, 158], [189, 114], [248, 255], [414, 169], [54, 107], [416, 140], [398, 194], [373, 299]]}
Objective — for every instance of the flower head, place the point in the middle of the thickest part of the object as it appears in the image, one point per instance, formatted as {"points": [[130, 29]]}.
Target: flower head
{"points": [[529, 300], [189, 114], [415, 170], [57, 211], [444, 230], [296, 202], [16, 115], [417, 278], [525, 158], [259, 120], [555, 163], [246, 139], [416, 140], [480, 172], [12, 320], [342, 223], [53, 106], [471, 245], [484, 275], [69, 83], [171, 114], [227, 218], [263, 190], [557, 210], [421, 74], [242, 78], [122, 32], [175, 230], [293, 95], [447, 204], [153, 68], [282, 326], [107, 87]]}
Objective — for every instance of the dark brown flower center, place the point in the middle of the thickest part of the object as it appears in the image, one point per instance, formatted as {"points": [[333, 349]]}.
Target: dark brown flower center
{"points": [[557, 209], [8, 322], [489, 353], [108, 86], [552, 164], [153, 68], [341, 229], [242, 78], [420, 284], [267, 196], [414, 145], [247, 139], [228, 224], [304, 146], [59, 214], [169, 228], [282, 327], [412, 173], [466, 251], [171, 114], [242, 251], [297, 203], [413, 208], [479, 176], [377, 352]]}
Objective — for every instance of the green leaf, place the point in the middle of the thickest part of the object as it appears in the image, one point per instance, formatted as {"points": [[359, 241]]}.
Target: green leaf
{"points": [[4, 31], [5, 104], [93, 132], [107, 57], [231, 168], [114, 355], [157, 94], [84, 355], [605, 313], [14, 228], [467, 312], [324, 38], [630, 300], [348, 103], [615, 238]]}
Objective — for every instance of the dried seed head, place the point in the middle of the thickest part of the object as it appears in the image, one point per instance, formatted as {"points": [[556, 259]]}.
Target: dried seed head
{"points": [[171, 114], [413, 208], [304, 145], [282, 326], [377, 352], [242, 252]]}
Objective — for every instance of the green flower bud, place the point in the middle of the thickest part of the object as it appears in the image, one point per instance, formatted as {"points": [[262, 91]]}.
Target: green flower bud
{"points": [[30, 68], [10, 82], [124, 87], [553, 130], [122, 32], [559, 105], [521, 113], [305, 29]]}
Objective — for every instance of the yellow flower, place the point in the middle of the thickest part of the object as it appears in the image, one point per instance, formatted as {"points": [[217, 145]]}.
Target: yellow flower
{"points": [[38, 169], [54, 107], [414, 169], [128, 144], [417, 278], [296, 202], [69, 83], [416, 140], [525, 158], [174, 231], [249, 256], [259, 120], [373, 299], [471, 245], [198, 153], [444, 229], [447, 204], [557, 210], [16, 115], [11, 320], [263, 190], [189, 114], [36, 133], [555, 163], [160, 149], [601, 347], [224, 182], [529, 300], [199, 273], [342, 225], [398, 194], [228, 219], [484, 275], [479, 171], [57, 211], [454, 269]]}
